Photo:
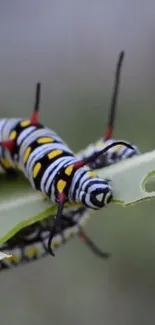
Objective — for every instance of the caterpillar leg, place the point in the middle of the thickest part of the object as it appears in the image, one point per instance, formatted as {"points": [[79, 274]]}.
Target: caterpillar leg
{"points": [[97, 251]]}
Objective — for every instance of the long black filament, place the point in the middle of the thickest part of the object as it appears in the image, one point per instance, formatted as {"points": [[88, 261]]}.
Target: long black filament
{"points": [[115, 93], [37, 97], [104, 150]]}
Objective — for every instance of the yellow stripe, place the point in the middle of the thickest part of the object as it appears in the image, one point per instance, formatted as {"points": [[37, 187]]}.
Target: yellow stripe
{"points": [[13, 135], [36, 169], [32, 251], [100, 144], [68, 204], [61, 185], [25, 123], [54, 153], [6, 163], [45, 140], [91, 174], [69, 170], [11, 259], [56, 243], [116, 148], [69, 235], [27, 154]]}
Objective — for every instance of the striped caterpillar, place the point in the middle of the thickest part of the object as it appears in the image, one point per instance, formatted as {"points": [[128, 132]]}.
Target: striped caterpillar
{"points": [[25, 145]]}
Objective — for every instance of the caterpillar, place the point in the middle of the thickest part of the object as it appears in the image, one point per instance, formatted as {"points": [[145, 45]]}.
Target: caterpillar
{"points": [[51, 166], [33, 242], [30, 243]]}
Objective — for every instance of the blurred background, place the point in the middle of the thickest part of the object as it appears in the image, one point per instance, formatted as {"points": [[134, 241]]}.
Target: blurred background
{"points": [[72, 47]]}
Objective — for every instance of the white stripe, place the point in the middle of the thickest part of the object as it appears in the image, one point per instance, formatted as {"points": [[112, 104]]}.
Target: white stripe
{"points": [[31, 138], [24, 134], [37, 153], [40, 152], [10, 125], [75, 180], [77, 176], [37, 134], [87, 200], [60, 164], [68, 162], [98, 181], [94, 187], [48, 170], [50, 147], [126, 153]]}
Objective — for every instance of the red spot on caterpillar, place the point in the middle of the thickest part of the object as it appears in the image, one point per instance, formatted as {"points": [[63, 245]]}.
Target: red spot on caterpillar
{"points": [[108, 134], [34, 118], [10, 145]]}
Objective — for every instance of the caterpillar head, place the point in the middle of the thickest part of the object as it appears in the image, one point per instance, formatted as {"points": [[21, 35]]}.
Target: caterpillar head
{"points": [[98, 196], [90, 190]]}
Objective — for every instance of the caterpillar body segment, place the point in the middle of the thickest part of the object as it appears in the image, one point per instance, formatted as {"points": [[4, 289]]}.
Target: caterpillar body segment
{"points": [[112, 156]]}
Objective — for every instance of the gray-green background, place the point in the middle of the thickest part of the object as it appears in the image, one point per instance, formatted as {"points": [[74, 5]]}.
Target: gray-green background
{"points": [[72, 47]]}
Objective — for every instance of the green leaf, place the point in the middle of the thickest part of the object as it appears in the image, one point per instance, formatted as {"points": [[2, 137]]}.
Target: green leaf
{"points": [[129, 178], [20, 205], [4, 255]]}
